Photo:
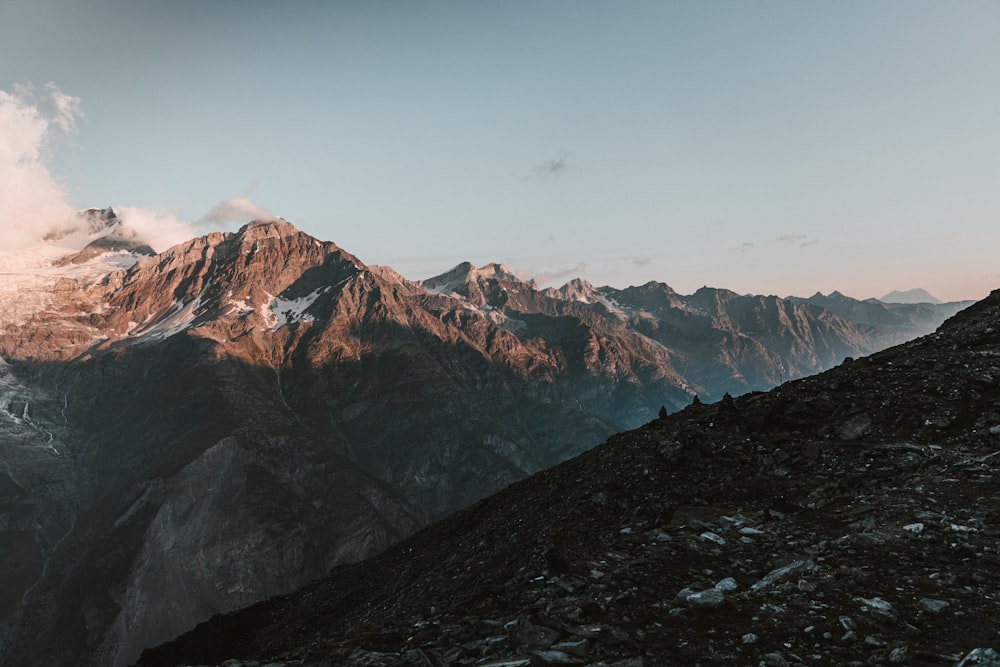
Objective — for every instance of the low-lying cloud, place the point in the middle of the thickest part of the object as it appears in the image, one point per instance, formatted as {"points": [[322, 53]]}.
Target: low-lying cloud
{"points": [[234, 210], [160, 229]]}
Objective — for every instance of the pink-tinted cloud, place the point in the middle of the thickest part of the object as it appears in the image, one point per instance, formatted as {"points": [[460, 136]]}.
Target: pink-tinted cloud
{"points": [[234, 210], [32, 201]]}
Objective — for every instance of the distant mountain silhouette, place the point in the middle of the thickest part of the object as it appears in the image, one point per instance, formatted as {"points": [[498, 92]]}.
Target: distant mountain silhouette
{"points": [[917, 295], [909, 320]]}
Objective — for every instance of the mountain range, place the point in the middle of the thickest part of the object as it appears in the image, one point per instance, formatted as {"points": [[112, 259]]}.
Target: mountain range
{"points": [[848, 518], [189, 432]]}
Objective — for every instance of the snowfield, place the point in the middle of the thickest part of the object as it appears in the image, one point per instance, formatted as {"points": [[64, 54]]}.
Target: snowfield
{"points": [[27, 277]]}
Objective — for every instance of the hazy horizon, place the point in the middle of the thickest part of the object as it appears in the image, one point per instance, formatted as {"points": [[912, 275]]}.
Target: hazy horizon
{"points": [[771, 148]]}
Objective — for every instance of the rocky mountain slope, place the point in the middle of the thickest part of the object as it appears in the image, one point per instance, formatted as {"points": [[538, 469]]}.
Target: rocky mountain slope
{"points": [[717, 340], [190, 432], [737, 343], [849, 518]]}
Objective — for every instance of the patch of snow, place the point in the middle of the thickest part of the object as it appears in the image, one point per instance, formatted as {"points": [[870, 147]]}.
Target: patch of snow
{"points": [[443, 288], [515, 326], [610, 303], [240, 306], [465, 273], [179, 318], [265, 311], [28, 276], [280, 312], [449, 281]]}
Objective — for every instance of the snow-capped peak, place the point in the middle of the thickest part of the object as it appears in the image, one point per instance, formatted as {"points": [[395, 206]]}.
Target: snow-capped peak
{"points": [[465, 273]]}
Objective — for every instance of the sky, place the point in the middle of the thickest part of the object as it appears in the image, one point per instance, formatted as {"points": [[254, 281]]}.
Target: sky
{"points": [[764, 146]]}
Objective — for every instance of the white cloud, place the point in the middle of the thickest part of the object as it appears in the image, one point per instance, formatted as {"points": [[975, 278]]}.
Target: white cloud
{"points": [[34, 204], [32, 201], [63, 109], [234, 210], [160, 229]]}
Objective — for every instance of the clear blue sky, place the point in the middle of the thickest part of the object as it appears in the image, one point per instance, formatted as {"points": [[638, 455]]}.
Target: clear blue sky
{"points": [[767, 147]]}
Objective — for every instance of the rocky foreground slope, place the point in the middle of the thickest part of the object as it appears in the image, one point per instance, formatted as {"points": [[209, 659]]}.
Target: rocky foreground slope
{"points": [[850, 518]]}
